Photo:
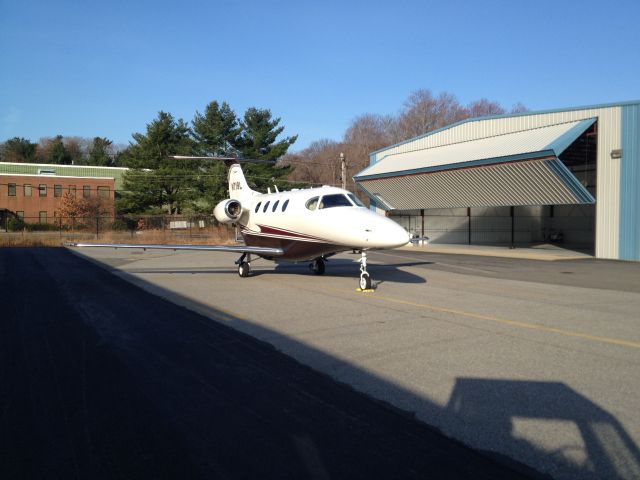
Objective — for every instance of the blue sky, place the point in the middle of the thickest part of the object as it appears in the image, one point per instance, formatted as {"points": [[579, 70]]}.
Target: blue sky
{"points": [[105, 68]]}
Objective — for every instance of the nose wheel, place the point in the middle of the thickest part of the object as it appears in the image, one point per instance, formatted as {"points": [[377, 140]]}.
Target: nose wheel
{"points": [[365, 279]]}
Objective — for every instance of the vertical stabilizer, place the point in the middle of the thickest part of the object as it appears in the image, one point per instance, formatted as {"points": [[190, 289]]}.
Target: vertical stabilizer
{"points": [[238, 187]]}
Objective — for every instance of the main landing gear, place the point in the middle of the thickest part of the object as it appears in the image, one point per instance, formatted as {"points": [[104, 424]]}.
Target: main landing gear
{"points": [[365, 279], [244, 267], [317, 266]]}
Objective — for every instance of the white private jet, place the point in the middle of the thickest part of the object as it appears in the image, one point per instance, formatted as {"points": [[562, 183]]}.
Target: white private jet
{"points": [[297, 225]]}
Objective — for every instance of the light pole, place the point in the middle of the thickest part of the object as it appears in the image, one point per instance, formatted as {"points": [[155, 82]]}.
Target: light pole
{"points": [[343, 171]]}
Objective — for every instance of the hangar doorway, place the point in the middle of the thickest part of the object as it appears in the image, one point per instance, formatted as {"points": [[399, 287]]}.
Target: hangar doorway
{"points": [[570, 226]]}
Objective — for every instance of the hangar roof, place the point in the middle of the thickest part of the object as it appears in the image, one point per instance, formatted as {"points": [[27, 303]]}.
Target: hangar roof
{"points": [[527, 144], [518, 168]]}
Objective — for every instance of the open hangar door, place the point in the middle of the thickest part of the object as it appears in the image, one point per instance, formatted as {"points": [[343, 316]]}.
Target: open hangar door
{"points": [[572, 226], [544, 197]]}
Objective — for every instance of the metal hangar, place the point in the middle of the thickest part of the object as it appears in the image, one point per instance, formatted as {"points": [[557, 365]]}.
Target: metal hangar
{"points": [[569, 176]]}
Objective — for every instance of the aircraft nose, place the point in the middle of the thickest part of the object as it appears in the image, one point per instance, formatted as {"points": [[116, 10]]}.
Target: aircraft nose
{"points": [[400, 236], [388, 234]]}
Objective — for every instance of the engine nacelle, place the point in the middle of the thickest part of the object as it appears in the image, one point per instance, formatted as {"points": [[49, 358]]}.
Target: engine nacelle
{"points": [[228, 211]]}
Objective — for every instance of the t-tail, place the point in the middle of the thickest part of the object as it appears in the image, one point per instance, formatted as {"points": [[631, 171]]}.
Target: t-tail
{"points": [[238, 187]]}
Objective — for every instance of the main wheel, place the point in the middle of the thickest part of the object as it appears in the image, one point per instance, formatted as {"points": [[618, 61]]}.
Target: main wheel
{"points": [[365, 281], [318, 266], [244, 269]]}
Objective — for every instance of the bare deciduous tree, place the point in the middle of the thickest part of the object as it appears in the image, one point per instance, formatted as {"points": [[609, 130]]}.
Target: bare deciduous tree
{"points": [[423, 113], [484, 108]]}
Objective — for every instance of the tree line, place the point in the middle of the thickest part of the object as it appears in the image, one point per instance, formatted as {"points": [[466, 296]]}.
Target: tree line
{"points": [[59, 150], [157, 183], [421, 113]]}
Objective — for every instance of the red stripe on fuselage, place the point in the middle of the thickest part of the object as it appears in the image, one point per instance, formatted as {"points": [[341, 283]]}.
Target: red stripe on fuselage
{"points": [[287, 233]]}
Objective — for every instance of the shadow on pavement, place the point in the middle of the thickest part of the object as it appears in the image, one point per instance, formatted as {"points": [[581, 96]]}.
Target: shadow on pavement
{"points": [[105, 380]]}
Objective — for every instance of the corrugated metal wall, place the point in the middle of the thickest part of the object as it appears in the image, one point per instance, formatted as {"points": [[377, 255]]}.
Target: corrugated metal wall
{"points": [[608, 191], [630, 184]]}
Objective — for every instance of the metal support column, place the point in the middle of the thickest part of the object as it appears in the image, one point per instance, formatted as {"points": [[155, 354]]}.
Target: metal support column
{"points": [[513, 231], [422, 216], [469, 225]]}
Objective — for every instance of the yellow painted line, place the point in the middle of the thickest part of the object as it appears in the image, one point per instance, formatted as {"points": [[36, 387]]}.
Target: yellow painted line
{"points": [[511, 323]]}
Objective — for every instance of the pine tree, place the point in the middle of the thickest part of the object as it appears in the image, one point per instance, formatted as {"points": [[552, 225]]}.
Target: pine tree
{"points": [[18, 150], [155, 181], [216, 133], [258, 141], [58, 153], [100, 152]]}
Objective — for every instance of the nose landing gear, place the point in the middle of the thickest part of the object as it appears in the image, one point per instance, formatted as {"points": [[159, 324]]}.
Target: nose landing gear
{"points": [[365, 279]]}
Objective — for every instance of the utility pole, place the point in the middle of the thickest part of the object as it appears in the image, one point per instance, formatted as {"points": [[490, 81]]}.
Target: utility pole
{"points": [[343, 171]]}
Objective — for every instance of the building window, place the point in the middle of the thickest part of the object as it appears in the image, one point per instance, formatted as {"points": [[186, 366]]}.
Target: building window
{"points": [[57, 190], [42, 190], [86, 191], [12, 189], [27, 190], [103, 192], [20, 214], [43, 217], [72, 191]]}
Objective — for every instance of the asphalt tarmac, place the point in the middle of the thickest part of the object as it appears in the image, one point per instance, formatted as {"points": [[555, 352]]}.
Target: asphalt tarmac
{"points": [[100, 379], [537, 361]]}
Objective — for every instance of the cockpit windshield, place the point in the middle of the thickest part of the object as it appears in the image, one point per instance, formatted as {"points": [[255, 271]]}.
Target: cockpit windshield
{"points": [[356, 200], [335, 200]]}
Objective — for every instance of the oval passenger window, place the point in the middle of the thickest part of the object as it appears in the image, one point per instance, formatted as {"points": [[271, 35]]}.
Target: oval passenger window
{"points": [[312, 203]]}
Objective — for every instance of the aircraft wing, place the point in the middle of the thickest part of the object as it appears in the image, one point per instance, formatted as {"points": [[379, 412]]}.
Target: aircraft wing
{"points": [[209, 248]]}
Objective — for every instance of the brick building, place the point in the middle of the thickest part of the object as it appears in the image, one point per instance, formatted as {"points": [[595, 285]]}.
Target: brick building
{"points": [[36, 198]]}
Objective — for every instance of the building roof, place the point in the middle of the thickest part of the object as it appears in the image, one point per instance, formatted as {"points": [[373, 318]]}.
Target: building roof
{"points": [[510, 115], [65, 170], [517, 168], [527, 144]]}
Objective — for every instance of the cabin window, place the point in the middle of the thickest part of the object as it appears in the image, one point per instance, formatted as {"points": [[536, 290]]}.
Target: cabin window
{"points": [[266, 205], [312, 203], [337, 200], [355, 200], [275, 205], [285, 204], [258, 207]]}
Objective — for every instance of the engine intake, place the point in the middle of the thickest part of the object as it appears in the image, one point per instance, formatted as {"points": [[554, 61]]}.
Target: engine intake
{"points": [[228, 211]]}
